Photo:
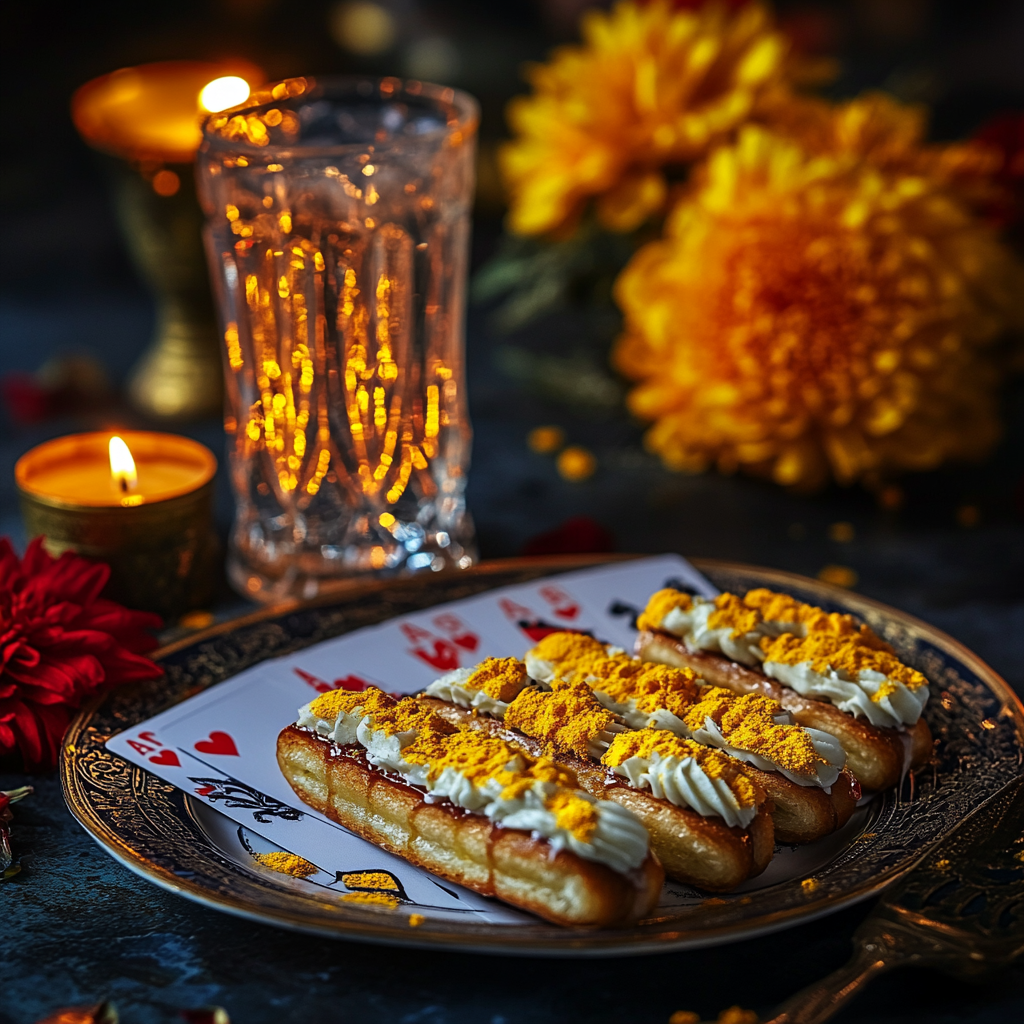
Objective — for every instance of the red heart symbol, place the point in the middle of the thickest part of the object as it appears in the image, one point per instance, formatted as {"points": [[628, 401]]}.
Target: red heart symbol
{"points": [[205, 790], [568, 612], [218, 743], [166, 757], [470, 641]]}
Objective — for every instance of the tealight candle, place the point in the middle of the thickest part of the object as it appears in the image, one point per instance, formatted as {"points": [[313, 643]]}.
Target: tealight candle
{"points": [[140, 501]]}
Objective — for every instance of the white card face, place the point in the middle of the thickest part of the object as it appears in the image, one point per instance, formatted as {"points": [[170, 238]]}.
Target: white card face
{"points": [[220, 745]]}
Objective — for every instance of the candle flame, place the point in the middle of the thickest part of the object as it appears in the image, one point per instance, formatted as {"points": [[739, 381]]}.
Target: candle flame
{"points": [[122, 466], [224, 92]]}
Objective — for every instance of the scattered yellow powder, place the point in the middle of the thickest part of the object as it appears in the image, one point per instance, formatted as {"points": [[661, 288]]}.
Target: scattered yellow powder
{"points": [[369, 880], [568, 718], [808, 885], [842, 533], [574, 812], [286, 864], [576, 463], [500, 678], [371, 899], [731, 612], [825, 651], [737, 1015], [746, 723], [715, 764], [331, 704], [415, 920], [838, 575], [659, 604]]}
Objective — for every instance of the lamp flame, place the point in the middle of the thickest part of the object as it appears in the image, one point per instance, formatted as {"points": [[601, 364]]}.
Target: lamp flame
{"points": [[122, 466], [224, 92]]}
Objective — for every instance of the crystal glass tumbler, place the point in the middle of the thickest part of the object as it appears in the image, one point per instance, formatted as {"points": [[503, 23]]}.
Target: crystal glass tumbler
{"points": [[337, 232]]}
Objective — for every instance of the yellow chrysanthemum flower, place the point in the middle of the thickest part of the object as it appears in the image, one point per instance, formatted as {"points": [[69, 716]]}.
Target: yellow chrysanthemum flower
{"points": [[650, 86], [888, 134], [808, 314]]}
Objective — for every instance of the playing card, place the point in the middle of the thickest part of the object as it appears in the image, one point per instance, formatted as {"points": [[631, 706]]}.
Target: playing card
{"points": [[221, 750]]}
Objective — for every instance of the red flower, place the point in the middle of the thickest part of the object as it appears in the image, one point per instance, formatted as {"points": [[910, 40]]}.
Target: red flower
{"points": [[60, 643]]}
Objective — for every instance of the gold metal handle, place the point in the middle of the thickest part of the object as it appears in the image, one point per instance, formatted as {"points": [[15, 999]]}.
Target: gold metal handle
{"points": [[818, 1002]]}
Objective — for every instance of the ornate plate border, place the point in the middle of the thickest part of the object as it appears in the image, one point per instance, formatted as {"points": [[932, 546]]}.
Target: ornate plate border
{"points": [[146, 825]]}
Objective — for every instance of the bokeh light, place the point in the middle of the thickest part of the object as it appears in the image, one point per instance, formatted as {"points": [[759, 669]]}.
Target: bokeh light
{"points": [[362, 27]]}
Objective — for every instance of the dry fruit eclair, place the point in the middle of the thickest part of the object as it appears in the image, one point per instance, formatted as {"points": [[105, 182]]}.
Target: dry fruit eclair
{"points": [[471, 808], [830, 672], [801, 768]]}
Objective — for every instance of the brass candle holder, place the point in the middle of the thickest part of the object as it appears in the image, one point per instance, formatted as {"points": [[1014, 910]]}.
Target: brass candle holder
{"points": [[152, 524], [146, 119]]}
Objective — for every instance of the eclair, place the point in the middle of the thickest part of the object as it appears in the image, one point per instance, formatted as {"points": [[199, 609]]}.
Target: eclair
{"points": [[830, 672], [800, 768], [470, 808], [709, 823]]}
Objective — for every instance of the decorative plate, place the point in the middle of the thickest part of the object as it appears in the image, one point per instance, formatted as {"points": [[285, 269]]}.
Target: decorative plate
{"points": [[171, 839]]}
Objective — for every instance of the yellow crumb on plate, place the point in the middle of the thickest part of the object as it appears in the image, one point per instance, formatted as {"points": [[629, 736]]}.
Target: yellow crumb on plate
{"points": [[415, 920], [286, 864]]}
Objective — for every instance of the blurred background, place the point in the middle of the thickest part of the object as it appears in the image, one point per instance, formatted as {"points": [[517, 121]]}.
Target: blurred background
{"points": [[947, 545]]}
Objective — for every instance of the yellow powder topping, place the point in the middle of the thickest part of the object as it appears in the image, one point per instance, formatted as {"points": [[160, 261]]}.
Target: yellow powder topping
{"points": [[660, 604], [331, 704], [408, 715], [500, 678], [541, 770], [575, 813], [286, 864], [573, 654], [650, 687], [776, 607], [731, 613], [372, 899], [476, 756], [568, 718], [746, 723], [415, 920], [715, 764], [481, 758], [826, 651]]}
